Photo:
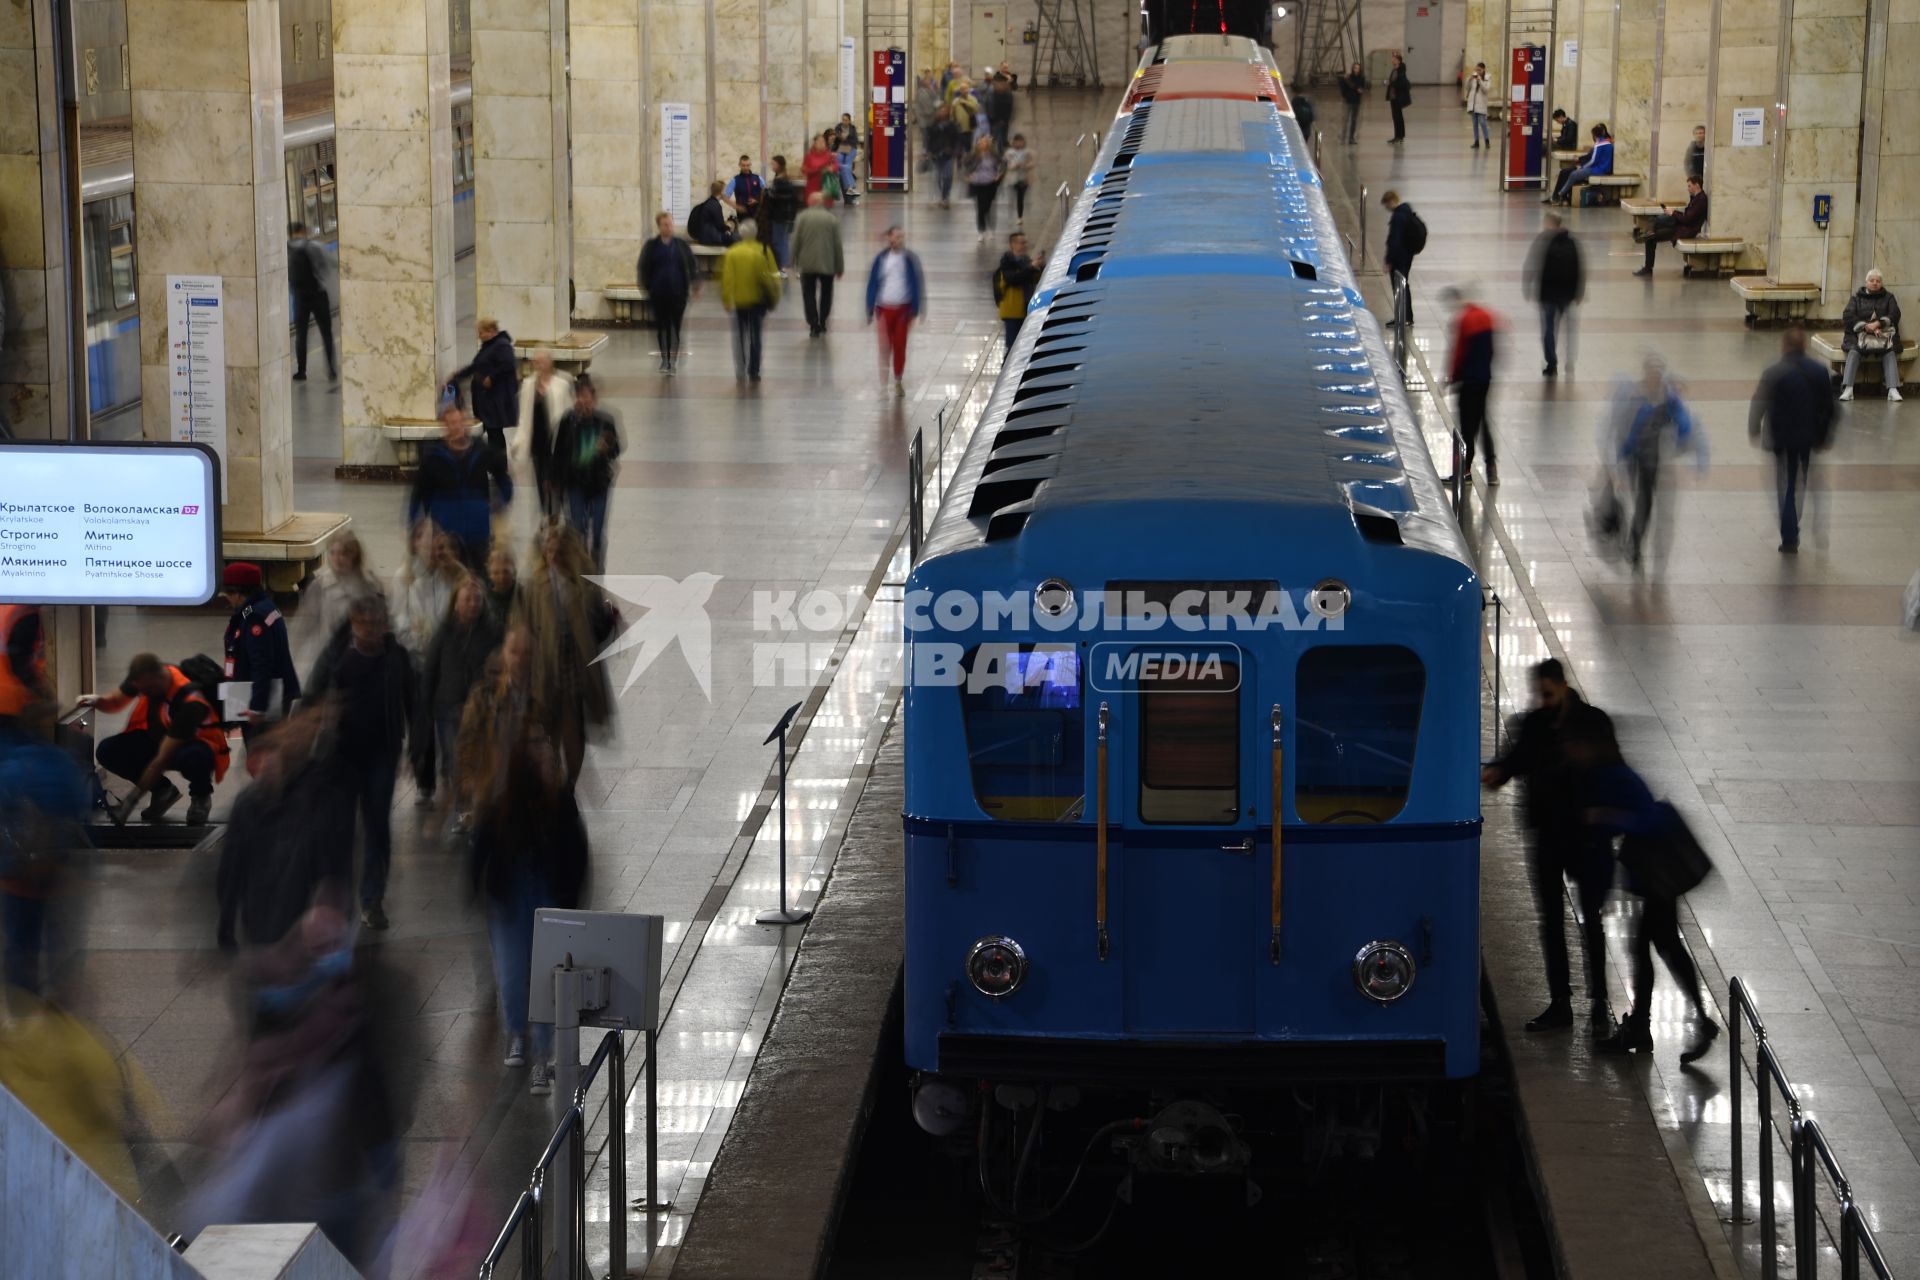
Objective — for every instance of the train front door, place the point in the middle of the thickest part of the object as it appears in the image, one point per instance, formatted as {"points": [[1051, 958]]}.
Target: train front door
{"points": [[1190, 788]]}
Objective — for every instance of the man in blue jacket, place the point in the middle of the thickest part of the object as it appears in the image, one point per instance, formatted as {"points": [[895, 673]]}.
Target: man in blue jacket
{"points": [[459, 487], [256, 645], [495, 388], [1596, 163], [896, 291]]}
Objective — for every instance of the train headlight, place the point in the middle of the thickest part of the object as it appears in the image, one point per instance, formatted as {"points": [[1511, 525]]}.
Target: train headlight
{"points": [[1383, 971], [996, 966]]}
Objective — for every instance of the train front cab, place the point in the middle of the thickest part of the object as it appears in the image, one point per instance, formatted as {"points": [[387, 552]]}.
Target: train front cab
{"points": [[1187, 965]]}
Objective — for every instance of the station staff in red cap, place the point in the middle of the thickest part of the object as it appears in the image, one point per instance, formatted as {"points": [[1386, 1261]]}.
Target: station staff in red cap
{"points": [[257, 650]]}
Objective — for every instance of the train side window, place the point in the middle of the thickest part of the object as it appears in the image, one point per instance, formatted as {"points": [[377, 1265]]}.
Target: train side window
{"points": [[1356, 724], [1026, 740], [120, 268], [1190, 747]]}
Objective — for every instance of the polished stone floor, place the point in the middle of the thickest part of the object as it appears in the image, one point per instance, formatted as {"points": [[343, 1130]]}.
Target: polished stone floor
{"points": [[1775, 699], [796, 486]]}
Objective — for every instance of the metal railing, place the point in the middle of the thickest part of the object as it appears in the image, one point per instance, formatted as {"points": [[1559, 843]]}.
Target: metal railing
{"points": [[1807, 1147], [570, 1137]]}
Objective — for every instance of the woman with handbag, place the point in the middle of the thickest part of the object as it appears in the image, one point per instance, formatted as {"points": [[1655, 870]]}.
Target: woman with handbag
{"points": [[1872, 324], [1663, 861]]}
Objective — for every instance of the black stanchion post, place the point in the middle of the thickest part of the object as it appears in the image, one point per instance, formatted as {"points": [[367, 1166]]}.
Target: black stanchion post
{"points": [[785, 915]]}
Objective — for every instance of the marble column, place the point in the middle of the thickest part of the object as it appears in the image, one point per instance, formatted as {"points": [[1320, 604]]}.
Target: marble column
{"points": [[1826, 65], [822, 97], [612, 215], [1634, 60], [1598, 23], [393, 135], [677, 67], [1565, 80], [1745, 73], [209, 196], [1686, 51], [522, 235], [35, 381], [739, 78], [933, 39], [1890, 203], [787, 120], [1479, 45]]}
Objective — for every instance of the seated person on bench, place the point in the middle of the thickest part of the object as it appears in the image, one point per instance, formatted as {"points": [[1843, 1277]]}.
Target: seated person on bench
{"points": [[174, 728], [1597, 162], [1566, 131], [1684, 225]]}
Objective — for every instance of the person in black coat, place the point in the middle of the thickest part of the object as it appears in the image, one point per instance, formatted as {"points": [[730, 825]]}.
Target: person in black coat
{"points": [[456, 665], [668, 274], [1566, 136], [366, 675], [1353, 91], [1400, 250], [1556, 280], [1399, 96], [307, 271], [1792, 416], [586, 455], [1872, 319], [707, 221], [289, 840], [256, 645], [1685, 225], [495, 387], [1560, 846], [458, 487]]}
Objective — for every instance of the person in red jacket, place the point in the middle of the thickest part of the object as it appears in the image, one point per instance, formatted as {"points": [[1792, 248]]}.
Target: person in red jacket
{"points": [[1470, 372]]}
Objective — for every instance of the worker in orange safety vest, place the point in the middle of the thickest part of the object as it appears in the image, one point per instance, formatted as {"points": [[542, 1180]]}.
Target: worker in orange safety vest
{"points": [[174, 728]]}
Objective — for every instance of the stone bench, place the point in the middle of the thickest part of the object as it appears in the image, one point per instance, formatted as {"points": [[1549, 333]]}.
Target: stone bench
{"points": [[1643, 212], [1611, 188], [1829, 347], [627, 301], [1768, 299], [287, 554], [1710, 255], [571, 354], [707, 258], [406, 435]]}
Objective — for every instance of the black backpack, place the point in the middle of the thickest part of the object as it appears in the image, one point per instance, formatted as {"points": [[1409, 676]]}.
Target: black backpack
{"points": [[1416, 233], [206, 676]]}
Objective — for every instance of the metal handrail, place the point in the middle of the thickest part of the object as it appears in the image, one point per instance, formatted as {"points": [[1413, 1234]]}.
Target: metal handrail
{"points": [[571, 1135], [1805, 1144]]}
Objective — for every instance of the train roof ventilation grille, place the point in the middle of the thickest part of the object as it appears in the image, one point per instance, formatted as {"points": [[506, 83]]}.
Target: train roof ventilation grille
{"points": [[1008, 521], [1017, 483]]}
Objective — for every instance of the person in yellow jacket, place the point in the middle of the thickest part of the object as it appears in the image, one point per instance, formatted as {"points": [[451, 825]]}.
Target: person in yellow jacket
{"points": [[749, 288], [1014, 282]]}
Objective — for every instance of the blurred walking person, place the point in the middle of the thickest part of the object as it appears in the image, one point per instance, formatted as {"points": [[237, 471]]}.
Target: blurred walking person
{"points": [[1000, 112], [1792, 418], [460, 487], [422, 589], [544, 399], [569, 621], [984, 172], [456, 665], [1651, 423], [896, 292], [783, 206], [749, 288], [1014, 282], [503, 586], [586, 459], [668, 274], [1020, 164], [44, 803], [370, 681], [821, 259], [1470, 373], [494, 382], [344, 576], [529, 846], [289, 842], [1556, 279], [941, 139], [1353, 91], [308, 269]]}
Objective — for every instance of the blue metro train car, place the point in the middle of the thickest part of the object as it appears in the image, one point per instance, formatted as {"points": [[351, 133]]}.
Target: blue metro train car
{"points": [[1192, 724]]}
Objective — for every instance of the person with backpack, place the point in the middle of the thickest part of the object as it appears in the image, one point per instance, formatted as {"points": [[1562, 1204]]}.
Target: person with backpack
{"points": [[174, 728], [1406, 239], [289, 840], [1013, 284], [1554, 279], [1399, 97]]}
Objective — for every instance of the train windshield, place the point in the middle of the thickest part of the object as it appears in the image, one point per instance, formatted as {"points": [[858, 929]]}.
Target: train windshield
{"points": [[1025, 738], [1356, 722]]}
